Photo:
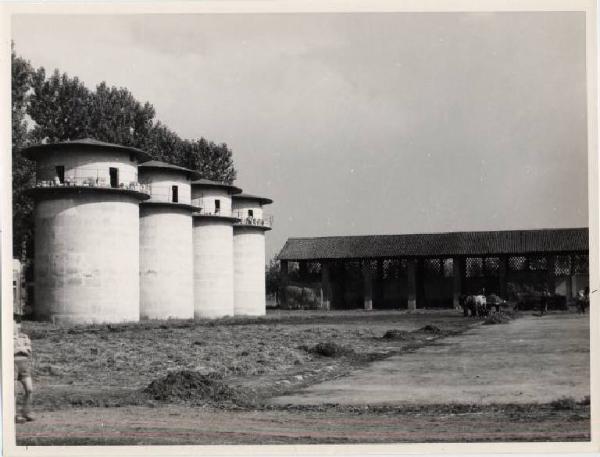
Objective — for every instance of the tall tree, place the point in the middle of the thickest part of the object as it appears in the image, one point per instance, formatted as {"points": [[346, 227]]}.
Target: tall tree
{"points": [[60, 107], [117, 117], [22, 169], [211, 160], [163, 144]]}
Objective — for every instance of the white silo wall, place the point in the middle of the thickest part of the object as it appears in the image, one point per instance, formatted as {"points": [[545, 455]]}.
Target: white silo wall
{"points": [[249, 271], [161, 183], [93, 165], [166, 262], [241, 207], [205, 198], [87, 258], [213, 267]]}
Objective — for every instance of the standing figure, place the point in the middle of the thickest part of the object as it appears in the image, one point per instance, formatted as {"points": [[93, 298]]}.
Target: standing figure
{"points": [[22, 349], [587, 298], [545, 297], [583, 300]]}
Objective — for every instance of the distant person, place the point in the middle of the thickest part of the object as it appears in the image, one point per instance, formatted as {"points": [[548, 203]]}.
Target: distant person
{"points": [[544, 299], [583, 300], [22, 347], [587, 297]]}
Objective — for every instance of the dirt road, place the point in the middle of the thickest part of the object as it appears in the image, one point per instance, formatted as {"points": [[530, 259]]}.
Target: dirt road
{"points": [[184, 425], [531, 360]]}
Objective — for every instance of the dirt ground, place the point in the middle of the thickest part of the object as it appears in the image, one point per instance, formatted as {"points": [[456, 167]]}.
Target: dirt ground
{"points": [[88, 382], [532, 360]]}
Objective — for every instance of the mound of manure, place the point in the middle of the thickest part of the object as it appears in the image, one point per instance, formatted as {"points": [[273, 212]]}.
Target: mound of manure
{"points": [[397, 335], [430, 329], [330, 349], [193, 387]]}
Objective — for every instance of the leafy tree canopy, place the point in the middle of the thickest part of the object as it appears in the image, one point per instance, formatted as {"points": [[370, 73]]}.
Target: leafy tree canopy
{"points": [[60, 108]]}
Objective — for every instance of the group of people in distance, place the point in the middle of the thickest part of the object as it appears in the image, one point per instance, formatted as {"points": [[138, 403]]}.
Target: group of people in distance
{"points": [[582, 300], [480, 305]]}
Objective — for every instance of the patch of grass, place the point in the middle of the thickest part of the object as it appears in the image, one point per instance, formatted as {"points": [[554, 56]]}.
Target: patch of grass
{"points": [[103, 366]]}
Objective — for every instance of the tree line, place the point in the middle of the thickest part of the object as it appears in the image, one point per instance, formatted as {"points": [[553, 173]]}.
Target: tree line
{"points": [[58, 107]]}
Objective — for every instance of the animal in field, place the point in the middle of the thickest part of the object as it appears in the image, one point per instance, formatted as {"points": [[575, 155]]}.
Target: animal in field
{"points": [[474, 305]]}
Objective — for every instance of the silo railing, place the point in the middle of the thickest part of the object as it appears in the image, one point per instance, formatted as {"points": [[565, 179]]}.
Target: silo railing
{"points": [[161, 194], [202, 211], [245, 219], [87, 177]]}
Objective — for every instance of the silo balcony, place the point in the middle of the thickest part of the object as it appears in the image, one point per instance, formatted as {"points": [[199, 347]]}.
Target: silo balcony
{"points": [[87, 178], [162, 195], [199, 210], [266, 221]]}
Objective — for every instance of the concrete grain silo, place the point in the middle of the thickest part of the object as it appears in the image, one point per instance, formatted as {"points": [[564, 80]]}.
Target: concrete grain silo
{"points": [[213, 248], [86, 263], [249, 254], [166, 256]]}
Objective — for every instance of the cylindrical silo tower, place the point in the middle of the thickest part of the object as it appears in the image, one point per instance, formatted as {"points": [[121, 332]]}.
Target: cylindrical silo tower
{"points": [[213, 248], [249, 254], [166, 256], [86, 263]]}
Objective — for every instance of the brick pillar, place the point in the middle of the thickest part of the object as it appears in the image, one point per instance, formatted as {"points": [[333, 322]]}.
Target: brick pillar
{"points": [[367, 285], [379, 293], [411, 271], [457, 272], [283, 268], [550, 278], [420, 283], [569, 281], [303, 270], [325, 286], [502, 277]]}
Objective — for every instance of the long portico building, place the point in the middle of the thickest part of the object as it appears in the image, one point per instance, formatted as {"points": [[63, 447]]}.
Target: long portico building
{"points": [[433, 269]]}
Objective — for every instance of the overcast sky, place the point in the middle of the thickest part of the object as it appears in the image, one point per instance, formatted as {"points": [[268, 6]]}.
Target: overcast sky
{"points": [[360, 123]]}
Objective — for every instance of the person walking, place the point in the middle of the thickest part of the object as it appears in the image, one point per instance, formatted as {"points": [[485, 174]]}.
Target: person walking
{"points": [[22, 363]]}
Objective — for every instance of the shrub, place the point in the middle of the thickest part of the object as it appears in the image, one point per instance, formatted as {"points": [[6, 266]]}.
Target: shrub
{"points": [[564, 403]]}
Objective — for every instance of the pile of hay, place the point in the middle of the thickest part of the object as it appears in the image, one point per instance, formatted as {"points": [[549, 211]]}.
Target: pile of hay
{"points": [[193, 387], [430, 329], [330, 349]]}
